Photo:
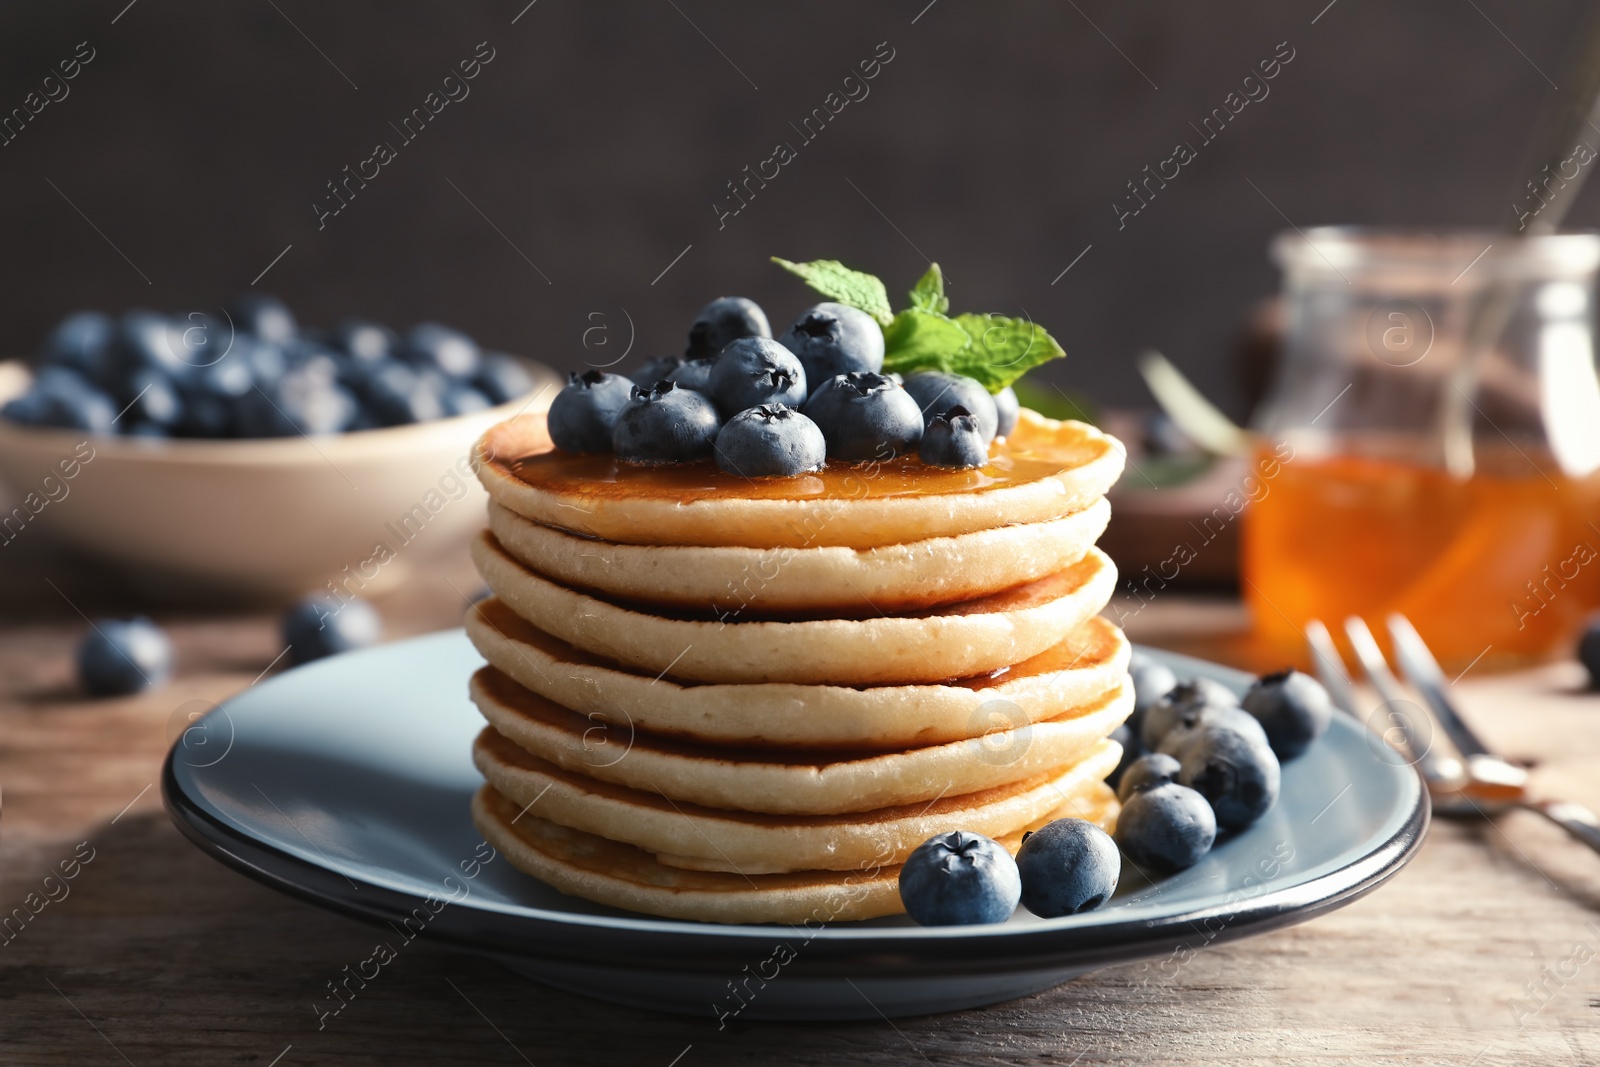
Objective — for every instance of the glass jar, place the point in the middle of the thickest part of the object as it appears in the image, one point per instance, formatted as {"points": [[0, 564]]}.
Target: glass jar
{"points": [[1411, 478]]}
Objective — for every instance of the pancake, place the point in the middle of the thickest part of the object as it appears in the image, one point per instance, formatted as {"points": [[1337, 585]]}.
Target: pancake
{"points": [[753, 582], [758, 842], [1044, 470], [1092, 660], [779, 781], [953, 641], [622, 876]]}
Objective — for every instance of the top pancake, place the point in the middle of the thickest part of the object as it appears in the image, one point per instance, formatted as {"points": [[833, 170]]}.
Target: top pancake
{"points": [[1042, 471]]}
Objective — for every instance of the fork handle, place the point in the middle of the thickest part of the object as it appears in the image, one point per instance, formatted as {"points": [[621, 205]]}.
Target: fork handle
{"points": [[1576, 819]]}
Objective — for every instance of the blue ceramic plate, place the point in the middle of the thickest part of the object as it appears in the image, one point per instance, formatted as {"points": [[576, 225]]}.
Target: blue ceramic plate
{"points": [[347, 782]]}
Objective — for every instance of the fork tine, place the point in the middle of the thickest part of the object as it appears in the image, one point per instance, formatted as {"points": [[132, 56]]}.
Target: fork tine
{"points": [[1330, 667], [1423, 672], [1383, 680]]}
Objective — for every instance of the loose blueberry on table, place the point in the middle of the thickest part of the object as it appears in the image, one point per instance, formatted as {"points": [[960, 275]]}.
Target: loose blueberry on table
{"points": [[960, 878], [321, 626], [122, 656]]}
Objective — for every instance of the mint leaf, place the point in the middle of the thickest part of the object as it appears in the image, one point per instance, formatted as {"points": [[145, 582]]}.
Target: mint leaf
{"points": [[928, 293], [1003, 349], [838, 282], [921, 340]]}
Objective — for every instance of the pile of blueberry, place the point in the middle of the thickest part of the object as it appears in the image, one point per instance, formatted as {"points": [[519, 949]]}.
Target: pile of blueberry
{"points": [[121, 656], [1196, 762], [765, 408], [252, 373]]}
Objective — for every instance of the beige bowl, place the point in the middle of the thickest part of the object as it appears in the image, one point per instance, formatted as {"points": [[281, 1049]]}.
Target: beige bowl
{"points": [[266, 518]]}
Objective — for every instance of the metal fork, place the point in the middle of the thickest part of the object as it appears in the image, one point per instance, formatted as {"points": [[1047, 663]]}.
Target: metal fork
{"points": [[1478, 783]]}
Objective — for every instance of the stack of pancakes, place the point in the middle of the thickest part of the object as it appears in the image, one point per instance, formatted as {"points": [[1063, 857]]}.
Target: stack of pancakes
{"points": [[737, 701]]}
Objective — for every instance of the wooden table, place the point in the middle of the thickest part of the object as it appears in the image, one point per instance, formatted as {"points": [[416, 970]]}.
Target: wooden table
{"points": [[1482, 952]]}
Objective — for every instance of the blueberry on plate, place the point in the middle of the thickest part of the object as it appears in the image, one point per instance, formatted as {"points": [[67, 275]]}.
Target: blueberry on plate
{"points": [[665, 424], [1589, 650], [503, 378], [1151, 681], [1068, 867], [1212, 715], [1124, 736], [79, 342], [1183, 700], [723, 321], [364, 342], [1007, 410], [865, 416], [655, 369], [321, 626], [938, 393], [691, 374], [953, 439], [436, 347], [1293, 708], [397, 395], [832, 339], [770, 441], [1233, 770], [1168, 827], [263, 316], [1147, 772], [583, 414], [960, 878], [753, 371], [117, 657]]}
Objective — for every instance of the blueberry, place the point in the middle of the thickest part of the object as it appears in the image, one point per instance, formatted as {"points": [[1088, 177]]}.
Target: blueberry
{"points": [[865, 416], [1147, 772], [953, 439], [1293, 708], [1069, 866], [833, 339], [440, 348], [583, 414], [770, 441], [723, 321], [936, 393], [1168, 827], [364, 342], [665, 424], [753, 371], [199, 340], [503, 378], [307, 400], [397, 395], [263, 316], [960, 878], [1129, 740], [1589, 650], [1184, 700], [459, 399], [145, 339], [325, 626], [1233, 770], [79, 341], [62, 398], [213, 395], [690, 374], [117, 657], [655, 369], [1211, 715], [1151, 681], [149, 396], [1007, 409]]}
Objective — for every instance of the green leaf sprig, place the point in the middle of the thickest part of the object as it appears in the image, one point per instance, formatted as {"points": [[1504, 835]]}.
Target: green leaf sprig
{"points": [[995, 350]]}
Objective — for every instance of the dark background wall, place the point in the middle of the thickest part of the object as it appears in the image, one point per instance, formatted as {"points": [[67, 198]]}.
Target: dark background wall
{"points": [[594, 144]]}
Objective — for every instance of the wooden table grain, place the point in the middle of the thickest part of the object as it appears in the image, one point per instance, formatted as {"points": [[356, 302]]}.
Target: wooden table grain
{"points": [[1486, 950]]}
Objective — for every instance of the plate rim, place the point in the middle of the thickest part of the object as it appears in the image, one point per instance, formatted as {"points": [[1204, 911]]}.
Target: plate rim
{"points": [[649, 943]]}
